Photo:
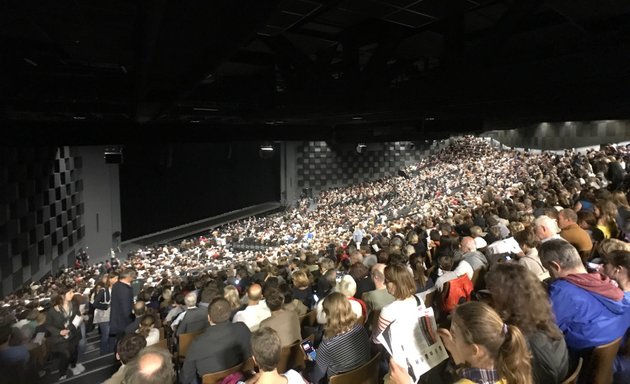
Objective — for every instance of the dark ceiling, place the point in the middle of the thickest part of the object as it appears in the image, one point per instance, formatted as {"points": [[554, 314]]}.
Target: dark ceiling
{"points": [[122, 70]]}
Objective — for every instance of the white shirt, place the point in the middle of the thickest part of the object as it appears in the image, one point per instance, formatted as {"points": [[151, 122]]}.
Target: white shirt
{"points": [[252, 315], [508, 245], [463, 268]]}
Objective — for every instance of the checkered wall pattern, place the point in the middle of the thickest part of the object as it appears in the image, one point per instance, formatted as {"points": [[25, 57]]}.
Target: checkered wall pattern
{"points": [[41, 212], [320, 167]]}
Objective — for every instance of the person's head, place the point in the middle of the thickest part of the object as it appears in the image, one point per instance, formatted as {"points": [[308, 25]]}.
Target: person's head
{"points": [[331, 277], [254, 294], [526, 239], [266, 348], [128, 275], [113, 278], [139, 308], [347, 286], [378, 275], [567, 217], [446, 262], [356, 257], [129, 347], [190, 299], [326, 264], [521, 299], [230, 293], [300, 280], [586, 219], [358, 271], [274, 299], [399, 281], [64, 295], [545, 227], [560, 258], [467, 244], [147, 322], [482, 339], [339, 315], [219, 311], [617, 267], [153, 365]]}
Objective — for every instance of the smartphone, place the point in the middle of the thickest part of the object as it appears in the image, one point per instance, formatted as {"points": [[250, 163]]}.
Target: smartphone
{"points": [[310, 351]]}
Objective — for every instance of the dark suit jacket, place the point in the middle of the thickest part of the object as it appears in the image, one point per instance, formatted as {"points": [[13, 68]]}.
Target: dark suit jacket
{"points": [[195, 319], [121, 308], [220, 347], [133, 326]]}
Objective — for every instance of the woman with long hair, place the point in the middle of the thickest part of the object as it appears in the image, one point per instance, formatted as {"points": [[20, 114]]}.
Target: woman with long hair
{"points": [[230, 293], [485, 348], [63, 336], [606, 213], [101, 302], [345, 345], [422, 281], [147, 329], [521, 300], [617, 267]]}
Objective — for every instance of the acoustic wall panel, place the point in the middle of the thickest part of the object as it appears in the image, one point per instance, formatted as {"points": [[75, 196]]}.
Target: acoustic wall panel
{"points": [[40, 212]]}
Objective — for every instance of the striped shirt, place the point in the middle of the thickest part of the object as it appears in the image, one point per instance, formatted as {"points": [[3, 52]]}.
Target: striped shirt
{"points": [[341, 353]]}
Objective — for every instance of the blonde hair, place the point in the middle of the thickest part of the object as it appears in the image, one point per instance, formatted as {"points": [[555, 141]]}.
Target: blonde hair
{"points": [[300, 280], [339, 315], [482, 325], [347, 286], [230, 293]]}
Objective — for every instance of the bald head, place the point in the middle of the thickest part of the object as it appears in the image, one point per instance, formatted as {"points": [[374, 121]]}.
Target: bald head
{"points": [[254, 293], [153, 366], [468, 244], [378, 275]]}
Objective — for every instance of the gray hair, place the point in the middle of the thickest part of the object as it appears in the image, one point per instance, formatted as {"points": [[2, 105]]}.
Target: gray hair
{"points": [[561, 252], [191, 299], [547, 222]]}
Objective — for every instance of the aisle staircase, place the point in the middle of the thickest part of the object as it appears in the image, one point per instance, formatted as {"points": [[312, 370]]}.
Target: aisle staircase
{"points": [[97, 368]]}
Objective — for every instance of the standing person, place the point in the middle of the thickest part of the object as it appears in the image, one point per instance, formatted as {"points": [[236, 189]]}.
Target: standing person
{"points": [[102, 311], [63, 339], [121, 306]]}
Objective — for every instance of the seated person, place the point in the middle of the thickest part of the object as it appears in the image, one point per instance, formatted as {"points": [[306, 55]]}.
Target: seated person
{"points": [[128, 348], [221, 346], [589, 309], [285, 323], [148, 331], [256, 310], [153, 365], [450, 271], [10, 355], [521, 300], [266, 349], [139, 310], [193, 319], [345, 346]]}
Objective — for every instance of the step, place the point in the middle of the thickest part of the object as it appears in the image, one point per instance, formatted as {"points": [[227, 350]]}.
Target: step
{"points": [[93, 376]]}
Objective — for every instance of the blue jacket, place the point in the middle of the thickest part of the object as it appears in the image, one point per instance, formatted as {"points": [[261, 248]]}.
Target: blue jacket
{"points": [[587, 319]]}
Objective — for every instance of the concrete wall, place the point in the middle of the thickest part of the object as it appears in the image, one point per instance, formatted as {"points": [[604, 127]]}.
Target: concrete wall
{"points": [[562, 135], [101, 199]]}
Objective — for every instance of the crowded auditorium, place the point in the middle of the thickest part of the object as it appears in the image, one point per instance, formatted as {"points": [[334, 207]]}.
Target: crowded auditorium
{"points": [[313, 191]]}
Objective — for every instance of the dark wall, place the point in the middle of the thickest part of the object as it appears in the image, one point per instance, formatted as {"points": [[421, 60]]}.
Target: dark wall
{"points": [[165, 186], [561, 135], [41, 212]]}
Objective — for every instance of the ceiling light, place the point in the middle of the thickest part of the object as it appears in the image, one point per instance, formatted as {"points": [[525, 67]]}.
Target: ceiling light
{"points": [[194, 121], [267, 147], [78, 117], [357, 118], [206, 109]]}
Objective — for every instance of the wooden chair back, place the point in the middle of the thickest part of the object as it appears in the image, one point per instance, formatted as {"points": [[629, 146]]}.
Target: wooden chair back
{"points": [[163, 343], [572, 379], [599, 367], [292, 357], [162, 336], [185, 339], [365, 374]]}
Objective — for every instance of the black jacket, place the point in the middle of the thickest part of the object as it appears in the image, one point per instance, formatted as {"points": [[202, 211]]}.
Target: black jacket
{"points": [[220, 347], [121, 308], [550, 358]]}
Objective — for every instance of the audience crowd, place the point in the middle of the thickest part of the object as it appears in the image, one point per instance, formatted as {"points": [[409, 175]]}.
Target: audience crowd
{"points": [[524, 257]]}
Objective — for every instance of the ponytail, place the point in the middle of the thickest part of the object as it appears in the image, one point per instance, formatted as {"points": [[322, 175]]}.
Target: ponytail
{"points": [[513, 361]]}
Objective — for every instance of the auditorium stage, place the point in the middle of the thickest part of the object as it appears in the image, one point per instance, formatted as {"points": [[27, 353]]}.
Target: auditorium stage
{"points": [[197, 227]]}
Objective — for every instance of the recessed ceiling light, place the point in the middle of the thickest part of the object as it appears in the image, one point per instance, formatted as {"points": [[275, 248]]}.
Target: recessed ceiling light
{"points": [[357, 117]]}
